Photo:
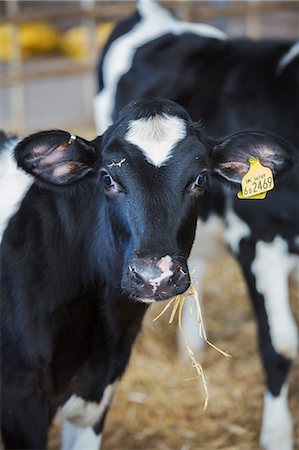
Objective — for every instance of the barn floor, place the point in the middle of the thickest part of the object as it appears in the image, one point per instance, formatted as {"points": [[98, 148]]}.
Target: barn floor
{"points": [[155, 408]]}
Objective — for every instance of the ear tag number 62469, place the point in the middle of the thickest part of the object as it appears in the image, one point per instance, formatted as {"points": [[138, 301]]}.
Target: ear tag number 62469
{"points": [[257, 181]]}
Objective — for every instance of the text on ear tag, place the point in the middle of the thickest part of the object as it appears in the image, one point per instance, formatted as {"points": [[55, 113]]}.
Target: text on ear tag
{"points": [[252, 197], [258, 180]]}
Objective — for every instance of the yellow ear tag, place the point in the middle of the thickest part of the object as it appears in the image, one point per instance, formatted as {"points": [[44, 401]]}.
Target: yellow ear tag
{"points": [[257, 181]]}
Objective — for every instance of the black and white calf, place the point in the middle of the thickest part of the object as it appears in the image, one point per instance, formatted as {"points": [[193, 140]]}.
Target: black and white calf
{"points": [[105, 229], [230, 85]]}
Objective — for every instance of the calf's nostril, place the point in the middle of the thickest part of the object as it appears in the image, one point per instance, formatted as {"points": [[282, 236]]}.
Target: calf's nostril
{"points": [[140, 282], [137, 278], [153, 277]]}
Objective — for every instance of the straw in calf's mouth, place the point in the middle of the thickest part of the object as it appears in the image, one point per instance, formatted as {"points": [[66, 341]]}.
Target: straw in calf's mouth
{"points": [[178, 303]]}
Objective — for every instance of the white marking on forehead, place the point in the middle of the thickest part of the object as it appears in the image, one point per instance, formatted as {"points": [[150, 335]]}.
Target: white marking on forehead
{"points": [[156, 136], [288, 57]]}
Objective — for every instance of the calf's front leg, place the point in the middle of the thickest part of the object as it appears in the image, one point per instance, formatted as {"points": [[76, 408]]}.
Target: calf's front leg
{"points": [[24, 422], [83, 421]]}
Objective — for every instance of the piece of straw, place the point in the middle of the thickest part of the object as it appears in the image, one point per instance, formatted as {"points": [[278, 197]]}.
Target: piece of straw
{"points": [[178, 303]]}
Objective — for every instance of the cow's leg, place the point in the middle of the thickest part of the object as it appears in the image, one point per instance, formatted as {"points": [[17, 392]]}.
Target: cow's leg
{"points": [[266, 267], [208, 246], [24, 424], [190, 323], [76, 434]]}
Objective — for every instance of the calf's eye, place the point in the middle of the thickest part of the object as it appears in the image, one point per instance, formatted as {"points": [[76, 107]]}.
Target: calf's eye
{"points": [[107, 180], [198, 184], [110, 185], [200, 181]]}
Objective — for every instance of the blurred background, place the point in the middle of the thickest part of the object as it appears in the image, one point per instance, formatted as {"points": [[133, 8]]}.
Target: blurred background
{"points": [[49, 52]]}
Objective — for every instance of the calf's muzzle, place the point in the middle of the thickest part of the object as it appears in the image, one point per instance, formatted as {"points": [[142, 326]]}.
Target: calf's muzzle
{"points": [[156, 278]]}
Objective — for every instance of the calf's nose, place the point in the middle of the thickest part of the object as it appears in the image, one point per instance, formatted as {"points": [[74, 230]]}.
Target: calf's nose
{"points": [[157, 278]]}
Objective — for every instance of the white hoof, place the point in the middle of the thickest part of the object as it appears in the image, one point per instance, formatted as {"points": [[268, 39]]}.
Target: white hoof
{"points": [[277, 426]]}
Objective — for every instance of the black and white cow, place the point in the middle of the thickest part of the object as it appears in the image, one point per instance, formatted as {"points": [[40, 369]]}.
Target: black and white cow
{"points": [[104, 230], [230, 84]]}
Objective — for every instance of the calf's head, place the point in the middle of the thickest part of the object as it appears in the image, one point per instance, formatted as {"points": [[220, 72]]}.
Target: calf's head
{"points": [[150, 168]]}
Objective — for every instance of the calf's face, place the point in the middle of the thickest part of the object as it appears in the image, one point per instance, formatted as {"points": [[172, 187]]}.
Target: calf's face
{"points": [[152, 167], [155, 200]]}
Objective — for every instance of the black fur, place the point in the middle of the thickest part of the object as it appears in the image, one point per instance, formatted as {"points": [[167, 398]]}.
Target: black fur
{"points": [[69, 311]]}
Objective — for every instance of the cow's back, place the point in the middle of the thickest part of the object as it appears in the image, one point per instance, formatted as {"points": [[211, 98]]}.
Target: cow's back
{"points": [[229, 85]]}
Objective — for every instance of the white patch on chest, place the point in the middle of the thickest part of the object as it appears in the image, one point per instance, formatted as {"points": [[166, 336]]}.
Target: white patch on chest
{"points": [[86, 414], [272, 267], [236, 230], [277, 425], [155, 22], [288, 57], [156, 136]]}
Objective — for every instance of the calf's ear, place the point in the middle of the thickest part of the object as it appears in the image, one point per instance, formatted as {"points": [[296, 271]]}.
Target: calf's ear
{"points": [[230, 156], [56, 157]]}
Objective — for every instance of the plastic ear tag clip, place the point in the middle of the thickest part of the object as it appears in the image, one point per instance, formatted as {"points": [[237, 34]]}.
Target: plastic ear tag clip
{"points": [[71, 139], [257, 181]]}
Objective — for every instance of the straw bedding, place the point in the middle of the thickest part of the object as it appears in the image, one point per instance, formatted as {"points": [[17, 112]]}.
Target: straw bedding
{"points": [[155, 408]]}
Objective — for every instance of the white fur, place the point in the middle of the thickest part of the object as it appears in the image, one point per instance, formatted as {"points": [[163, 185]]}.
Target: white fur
{"points": [[190, 323], [156, 136], [288, 57], [209, 239], [146, 300], [155, 22], [236, 230], [83, 413], [164, 264], [277, 425], [208, 245], [77, 438], [14, 184], [271, 267]]}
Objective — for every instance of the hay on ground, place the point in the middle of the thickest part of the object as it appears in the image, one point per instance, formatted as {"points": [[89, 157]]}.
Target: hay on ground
{"points": [[155, 407]]}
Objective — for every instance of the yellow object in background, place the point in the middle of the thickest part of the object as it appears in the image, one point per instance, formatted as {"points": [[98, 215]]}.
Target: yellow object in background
{"points": [[74, 42], [6, 39], [35, 38], [39, 38]]}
